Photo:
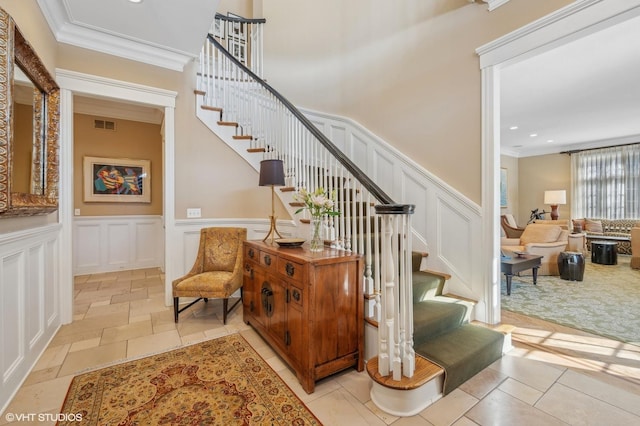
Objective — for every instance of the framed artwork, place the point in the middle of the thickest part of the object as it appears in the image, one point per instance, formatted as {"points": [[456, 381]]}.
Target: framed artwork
{"points": [[503, 187], [116, 180]]}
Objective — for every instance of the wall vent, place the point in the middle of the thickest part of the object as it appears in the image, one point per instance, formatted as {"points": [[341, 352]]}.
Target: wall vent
{"points": [[104, 125]]}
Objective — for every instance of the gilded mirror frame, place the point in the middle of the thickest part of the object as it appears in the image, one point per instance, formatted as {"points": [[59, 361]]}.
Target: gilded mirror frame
{"points": [[14, 50]]}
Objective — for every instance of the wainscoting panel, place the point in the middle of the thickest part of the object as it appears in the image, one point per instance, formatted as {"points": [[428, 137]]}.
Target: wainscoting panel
{"points": [[118, 247], [446, 224], [35, 294], [114, 243], [30, 308]]}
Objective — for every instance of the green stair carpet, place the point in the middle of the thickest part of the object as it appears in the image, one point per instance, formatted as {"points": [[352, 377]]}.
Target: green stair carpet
{"points": [[443, 335]]}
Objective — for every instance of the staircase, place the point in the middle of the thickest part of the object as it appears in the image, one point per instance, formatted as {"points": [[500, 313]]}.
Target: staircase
{"points": [[405, 304]]}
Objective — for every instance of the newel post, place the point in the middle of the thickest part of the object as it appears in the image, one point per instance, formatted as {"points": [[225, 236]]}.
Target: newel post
{"points": [[396, 356]]}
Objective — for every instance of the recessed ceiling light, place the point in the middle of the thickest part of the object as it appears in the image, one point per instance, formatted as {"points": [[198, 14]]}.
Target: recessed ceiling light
{"points": [[533, 135], [513, 127], [135, 1], [550, 140]]}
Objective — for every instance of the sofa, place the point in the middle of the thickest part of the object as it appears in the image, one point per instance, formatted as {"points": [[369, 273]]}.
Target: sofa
{"points": [[547, 241], [618, 230]]}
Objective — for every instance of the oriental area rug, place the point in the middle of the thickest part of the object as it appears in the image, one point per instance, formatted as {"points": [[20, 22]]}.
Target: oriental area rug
{"points": [[217, 382], [606, 302]]}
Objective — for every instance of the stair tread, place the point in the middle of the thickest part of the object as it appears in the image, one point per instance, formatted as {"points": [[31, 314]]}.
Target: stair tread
{"points": [[256, 150], [287, 189], [463, 352], [425, 371], [211, 108], [227, 123], [242, 137]]}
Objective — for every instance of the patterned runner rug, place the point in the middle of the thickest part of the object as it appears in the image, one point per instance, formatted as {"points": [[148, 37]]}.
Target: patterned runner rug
{"points": [[606, 302], [217, 382]]}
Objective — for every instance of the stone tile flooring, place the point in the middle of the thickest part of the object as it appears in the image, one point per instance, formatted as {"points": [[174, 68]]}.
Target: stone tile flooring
{"points": [[553, 376]]}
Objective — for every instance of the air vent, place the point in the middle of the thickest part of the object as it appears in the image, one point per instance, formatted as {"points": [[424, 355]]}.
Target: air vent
{"points": [[104, 125]]}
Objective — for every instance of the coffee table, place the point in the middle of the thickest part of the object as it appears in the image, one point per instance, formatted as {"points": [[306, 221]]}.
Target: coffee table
{"points": [[515, 264]]}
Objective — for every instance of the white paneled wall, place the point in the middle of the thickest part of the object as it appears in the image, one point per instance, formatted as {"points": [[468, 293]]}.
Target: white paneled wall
{"points": [[446, 224], [29, 302], [114, 243]]}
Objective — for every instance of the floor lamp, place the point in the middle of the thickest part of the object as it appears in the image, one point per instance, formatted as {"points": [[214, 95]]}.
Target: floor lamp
{"points": [[272, 174], [553, 198]]}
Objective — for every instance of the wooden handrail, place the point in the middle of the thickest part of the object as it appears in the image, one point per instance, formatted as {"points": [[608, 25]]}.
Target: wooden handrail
{"points": [[369, 184]]}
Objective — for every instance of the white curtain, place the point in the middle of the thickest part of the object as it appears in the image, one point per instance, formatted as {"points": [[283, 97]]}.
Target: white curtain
{"points": [[606, 183]]}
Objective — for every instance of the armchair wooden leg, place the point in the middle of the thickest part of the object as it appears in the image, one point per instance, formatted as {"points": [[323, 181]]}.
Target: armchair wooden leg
{"points": [[175, 308]]}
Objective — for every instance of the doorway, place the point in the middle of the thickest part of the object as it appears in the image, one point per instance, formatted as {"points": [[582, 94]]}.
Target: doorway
{"points": [[78, 84]]}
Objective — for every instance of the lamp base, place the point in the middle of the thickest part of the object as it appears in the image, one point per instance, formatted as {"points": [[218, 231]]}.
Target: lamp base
{"points": [[272, 230], [554, 212]]}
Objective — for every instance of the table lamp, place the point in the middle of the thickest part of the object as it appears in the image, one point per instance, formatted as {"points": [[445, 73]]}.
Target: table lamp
{"points": [[553, 198], [272, 174]]}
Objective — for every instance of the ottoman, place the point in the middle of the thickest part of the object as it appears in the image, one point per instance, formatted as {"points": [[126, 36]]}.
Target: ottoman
{"points": [[571, 265]]}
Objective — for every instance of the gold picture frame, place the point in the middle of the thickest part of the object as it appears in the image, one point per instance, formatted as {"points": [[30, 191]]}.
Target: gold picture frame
{"points": [[116, 180]]}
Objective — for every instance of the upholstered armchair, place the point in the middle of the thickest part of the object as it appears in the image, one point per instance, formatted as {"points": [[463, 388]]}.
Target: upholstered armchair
{"points": [[635, 248], [544, 240], [217, 271], [511, 230]]}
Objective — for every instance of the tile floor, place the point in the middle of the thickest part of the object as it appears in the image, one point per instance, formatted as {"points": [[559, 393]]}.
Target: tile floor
{"points": [[553, 376]]}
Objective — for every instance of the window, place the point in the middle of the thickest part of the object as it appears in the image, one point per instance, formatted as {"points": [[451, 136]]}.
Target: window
{"points": [[606, 182]]}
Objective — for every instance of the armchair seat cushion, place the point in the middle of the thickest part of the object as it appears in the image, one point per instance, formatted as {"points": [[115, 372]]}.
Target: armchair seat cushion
{"points": [[214, 284]]}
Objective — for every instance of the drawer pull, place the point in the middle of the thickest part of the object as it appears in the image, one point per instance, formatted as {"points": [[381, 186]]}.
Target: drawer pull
{"points": [[267, 260], [290, 269], [296, 295], [251, 253]]}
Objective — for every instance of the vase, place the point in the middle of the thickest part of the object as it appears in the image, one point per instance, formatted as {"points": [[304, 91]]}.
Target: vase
{"points": [[316, 242]]}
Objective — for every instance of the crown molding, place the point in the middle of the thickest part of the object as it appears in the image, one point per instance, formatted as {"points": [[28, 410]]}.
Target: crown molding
{"points": [[104, 42]]}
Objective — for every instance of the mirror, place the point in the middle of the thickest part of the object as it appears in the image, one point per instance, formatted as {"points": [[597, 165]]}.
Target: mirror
{"points": [[29, 123]]}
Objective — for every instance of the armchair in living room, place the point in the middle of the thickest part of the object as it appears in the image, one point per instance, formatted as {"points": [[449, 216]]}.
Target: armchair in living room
{"points": [[509, 226], [547, 241]]}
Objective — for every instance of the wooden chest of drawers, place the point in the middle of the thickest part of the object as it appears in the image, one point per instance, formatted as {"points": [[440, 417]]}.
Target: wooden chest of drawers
{"points": [[307, 306]]}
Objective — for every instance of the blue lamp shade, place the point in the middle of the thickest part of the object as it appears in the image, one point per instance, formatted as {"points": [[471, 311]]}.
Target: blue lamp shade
{"points": [[271, 173]]}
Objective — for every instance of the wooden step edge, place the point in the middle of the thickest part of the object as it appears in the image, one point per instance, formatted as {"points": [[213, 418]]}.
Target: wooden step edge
{"points": [[199, 92], [211, 108], [371, 321], [461, 298], [287, 189], [227, 123], [422, 253], [304, 220], [438, 273], [297, 204], [256, 150], [425, 372], [242, 137]]}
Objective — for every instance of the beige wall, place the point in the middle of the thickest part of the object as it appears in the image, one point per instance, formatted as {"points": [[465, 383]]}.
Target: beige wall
{"points": [[540, 173], [134, 140], [406, 70], [209, 174], [513, 206]]}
